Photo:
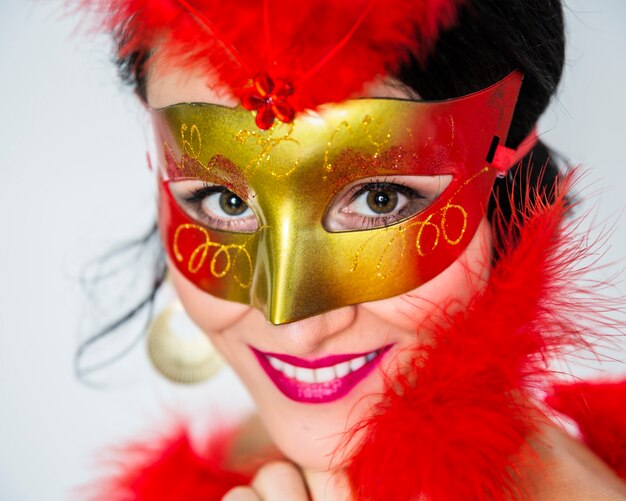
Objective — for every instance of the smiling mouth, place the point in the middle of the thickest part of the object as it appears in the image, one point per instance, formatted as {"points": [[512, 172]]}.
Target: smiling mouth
{"points": [[318, 381]]}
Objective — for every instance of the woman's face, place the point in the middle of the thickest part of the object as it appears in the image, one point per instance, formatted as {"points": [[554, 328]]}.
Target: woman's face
{"points": [[309, 433]]}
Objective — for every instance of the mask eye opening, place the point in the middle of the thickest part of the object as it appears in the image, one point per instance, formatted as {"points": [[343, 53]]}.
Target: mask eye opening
{"points": [[214, 206], [379, 202]]}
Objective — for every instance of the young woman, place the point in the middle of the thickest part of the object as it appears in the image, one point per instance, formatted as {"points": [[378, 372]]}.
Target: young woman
{"points": [[357, 212]]}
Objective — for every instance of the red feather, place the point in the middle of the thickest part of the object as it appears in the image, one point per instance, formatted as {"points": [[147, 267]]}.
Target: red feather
{"points": [[326, 48], [169, 468], [599, 409], [452, 427]]}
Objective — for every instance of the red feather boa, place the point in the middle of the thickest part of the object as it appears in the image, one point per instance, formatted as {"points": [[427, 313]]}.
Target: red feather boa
{"points": [[282, 38], [169, 469], [452, 425]]}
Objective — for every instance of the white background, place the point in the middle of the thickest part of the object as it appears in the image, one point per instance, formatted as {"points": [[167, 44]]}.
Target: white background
{"points": [[73, 182]]}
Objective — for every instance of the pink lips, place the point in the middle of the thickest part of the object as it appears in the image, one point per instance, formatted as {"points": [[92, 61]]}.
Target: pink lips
{"points": [[317, 392]]}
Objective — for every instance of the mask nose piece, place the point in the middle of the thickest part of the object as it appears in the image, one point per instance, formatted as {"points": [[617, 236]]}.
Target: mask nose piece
{"points": [[282, 281], [265, 296]]}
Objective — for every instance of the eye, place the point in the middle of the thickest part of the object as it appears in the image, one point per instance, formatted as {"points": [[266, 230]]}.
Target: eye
{"points": [[383, 200], [214, 206], [377, 202], [229, 203]]}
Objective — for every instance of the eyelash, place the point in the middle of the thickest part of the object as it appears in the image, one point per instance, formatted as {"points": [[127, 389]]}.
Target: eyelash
{"points": [[359, 189], [195, 199], [199, 194]]}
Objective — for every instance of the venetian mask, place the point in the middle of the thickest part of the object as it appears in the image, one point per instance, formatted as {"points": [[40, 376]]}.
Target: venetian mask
{"points": [[356, 202]]}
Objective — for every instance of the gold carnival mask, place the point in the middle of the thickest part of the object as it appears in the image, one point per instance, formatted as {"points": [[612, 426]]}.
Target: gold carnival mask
{"points": [[360, 201]]}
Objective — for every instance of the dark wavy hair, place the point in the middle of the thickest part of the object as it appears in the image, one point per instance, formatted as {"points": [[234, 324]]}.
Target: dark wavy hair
{"points": [[491, 39]]}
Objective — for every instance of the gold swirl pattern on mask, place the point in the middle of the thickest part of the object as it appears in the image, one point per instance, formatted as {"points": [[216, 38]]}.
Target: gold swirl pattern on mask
{"points": [[266, 142], [452, 132], [399, 231], [444, 232], [191, 140], [369, 124], [186, 167], [427, 223], [357, 254], [440, 229], [351, 164], [328, 167], [441, 232], [199, 255], [402, 230], [369, 127]]}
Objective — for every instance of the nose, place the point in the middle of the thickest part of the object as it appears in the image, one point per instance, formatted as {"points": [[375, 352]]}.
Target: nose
{"points": [[305, 336]]}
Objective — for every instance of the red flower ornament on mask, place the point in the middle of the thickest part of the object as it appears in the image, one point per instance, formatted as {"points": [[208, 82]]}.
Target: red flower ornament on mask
{"points": [[270, 99]]}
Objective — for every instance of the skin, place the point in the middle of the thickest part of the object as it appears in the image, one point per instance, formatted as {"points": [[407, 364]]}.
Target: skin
{"points": [[308, 435]]}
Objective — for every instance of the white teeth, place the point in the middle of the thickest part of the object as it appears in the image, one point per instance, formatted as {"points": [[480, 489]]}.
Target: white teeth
{"points": [[323, 374], [277, 364], [289, 370], [342, 369], [357, 363], [305, 375]]}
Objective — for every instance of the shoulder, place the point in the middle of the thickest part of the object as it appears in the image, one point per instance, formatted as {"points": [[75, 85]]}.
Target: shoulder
{"points": [[567, 470]]}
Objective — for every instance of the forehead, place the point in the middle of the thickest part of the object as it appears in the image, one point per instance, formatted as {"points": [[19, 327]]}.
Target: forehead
{"points": [[169, 84]]}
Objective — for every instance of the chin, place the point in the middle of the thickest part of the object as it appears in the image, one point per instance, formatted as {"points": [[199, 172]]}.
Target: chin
{"points": [[314, 438], [313, 435]]}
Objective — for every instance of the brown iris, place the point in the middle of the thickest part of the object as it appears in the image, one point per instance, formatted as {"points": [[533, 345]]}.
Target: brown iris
{"points": [[382, 201], [231, 204]]}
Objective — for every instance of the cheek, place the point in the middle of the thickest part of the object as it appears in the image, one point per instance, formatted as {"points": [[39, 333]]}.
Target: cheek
{"points": [[213, 315]]}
